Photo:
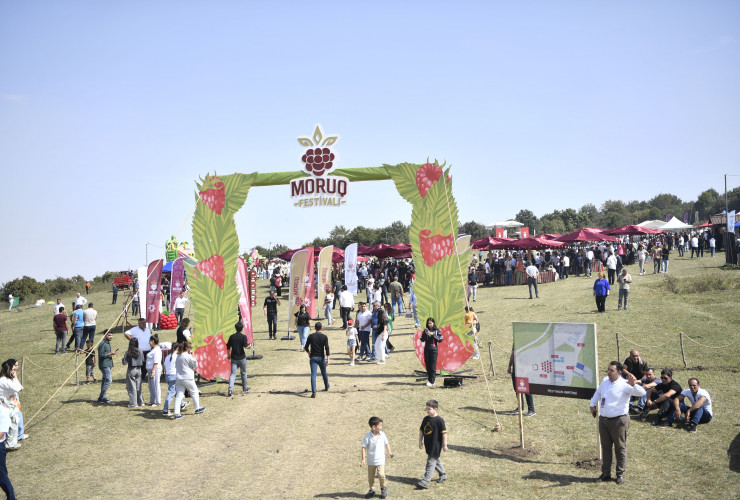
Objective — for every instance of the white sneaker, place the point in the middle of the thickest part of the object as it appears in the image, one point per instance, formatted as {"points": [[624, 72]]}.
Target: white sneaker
{"points": [[352, 363], [429, 384]]}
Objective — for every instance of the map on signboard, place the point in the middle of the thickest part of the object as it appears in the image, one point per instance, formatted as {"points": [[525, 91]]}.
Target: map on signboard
{"points": [[555, 359]]}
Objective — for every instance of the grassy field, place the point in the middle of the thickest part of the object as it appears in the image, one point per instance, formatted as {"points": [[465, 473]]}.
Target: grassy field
{"points": [[276, 442]]}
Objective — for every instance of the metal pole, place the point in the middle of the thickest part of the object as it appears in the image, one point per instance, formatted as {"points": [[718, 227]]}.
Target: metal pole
{"points": [[618, 356]]}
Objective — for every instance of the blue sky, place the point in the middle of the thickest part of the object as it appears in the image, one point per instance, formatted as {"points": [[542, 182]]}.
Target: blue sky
{"points": [[110, 110]]}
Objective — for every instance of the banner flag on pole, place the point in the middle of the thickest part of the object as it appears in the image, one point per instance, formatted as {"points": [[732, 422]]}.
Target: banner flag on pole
{"points": [[297, 282], [350, 268], [153, 286], [242, 277], [324, 271], [177, 280]]}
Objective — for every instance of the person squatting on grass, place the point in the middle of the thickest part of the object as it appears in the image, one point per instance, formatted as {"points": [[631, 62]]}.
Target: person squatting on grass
{"points": [[433, 439], [374, 445]]}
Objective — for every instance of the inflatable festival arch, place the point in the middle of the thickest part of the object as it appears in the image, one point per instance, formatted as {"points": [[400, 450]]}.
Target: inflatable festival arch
{"points": [[440, 266]]}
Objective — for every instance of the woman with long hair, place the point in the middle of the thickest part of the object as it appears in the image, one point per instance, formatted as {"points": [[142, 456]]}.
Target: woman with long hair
{"points": [[390, 316], [183, 331], [302, 324], [170, 363], [154, 369], [431, 336], [134, 358], [10, 386]]}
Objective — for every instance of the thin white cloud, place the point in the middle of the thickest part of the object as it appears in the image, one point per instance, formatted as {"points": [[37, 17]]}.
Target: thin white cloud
{"points": [[13, 97]]}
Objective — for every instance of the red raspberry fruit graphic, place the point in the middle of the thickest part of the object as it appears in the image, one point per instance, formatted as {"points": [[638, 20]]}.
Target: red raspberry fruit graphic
{"points": [[212, 193], [213, 358], [426, 176], [318, 160], [436, 247], [451, 354], [213, 267]]}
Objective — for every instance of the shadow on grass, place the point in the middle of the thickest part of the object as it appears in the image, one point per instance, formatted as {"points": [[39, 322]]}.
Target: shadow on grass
{"points": [[516, 298], [343, 494], [486, 410], [560, 479], [734, 453], [495, 454], [401, 479]]}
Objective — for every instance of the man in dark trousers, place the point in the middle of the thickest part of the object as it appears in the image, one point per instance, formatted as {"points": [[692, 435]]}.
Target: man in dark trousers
{"points": [[236, 345], [270, 309], [317, 345]]}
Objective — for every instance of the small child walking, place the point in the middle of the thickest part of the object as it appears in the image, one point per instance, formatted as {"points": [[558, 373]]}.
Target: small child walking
{"points": [[374, 445], [89, 362], [433, 438], [352, 341]]}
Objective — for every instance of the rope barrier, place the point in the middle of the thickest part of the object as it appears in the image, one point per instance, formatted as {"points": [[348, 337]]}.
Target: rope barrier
{"points": [[113, 325], [640, 345], [711, 347]]}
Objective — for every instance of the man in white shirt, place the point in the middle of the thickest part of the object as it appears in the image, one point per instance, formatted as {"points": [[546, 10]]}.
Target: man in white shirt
{"points": [[694, 246], [79, 300], [346, 304], [589, 262], [142, 334], [700, 411], [180, 307], [57, 306], [613, 394], [532, 273], [611, 266], [89, 317]]}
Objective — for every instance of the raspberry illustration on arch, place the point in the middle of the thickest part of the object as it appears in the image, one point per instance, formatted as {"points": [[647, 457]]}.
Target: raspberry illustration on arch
{"points": [[451, 352], [427, 175], [435, 248], [319, 158], [213, 194]]}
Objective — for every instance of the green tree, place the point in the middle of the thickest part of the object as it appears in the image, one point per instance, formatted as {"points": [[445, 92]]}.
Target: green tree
{"points": [[25, 288], [591, 215], [474, 229], [614, 214], [530, 220], [706, 204], [552, 224]]}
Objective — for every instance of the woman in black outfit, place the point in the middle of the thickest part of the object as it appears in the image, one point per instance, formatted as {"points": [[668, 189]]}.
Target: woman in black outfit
{"points": [[431, 336]]}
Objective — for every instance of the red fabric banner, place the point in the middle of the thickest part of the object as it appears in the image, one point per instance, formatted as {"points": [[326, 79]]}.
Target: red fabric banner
{"points": [[154, 290], [242, 284]]}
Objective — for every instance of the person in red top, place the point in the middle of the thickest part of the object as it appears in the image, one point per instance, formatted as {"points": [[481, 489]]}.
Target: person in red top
{"points": [[60, 328]]}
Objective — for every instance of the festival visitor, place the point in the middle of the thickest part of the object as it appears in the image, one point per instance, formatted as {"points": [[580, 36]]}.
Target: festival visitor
{"points": [[79, 301], [431, 336], [511, 370], [89, 318], [180, 303], [647, 382], [60, 329], [302, 324], [694, 246], [374, 445], [589, 262], [661, 397], [78, 323], [346, 304], [141, 333], [700, 411], [89, 362], [657, 256], [370, 287], [635, 365], [171, 378], [10, 300], [279, 285], [472, 284], [412, 305], [10, 386], [363, 320], [183, 331], [565, 264], [433, 438], [115, 294], [235, 346], [57, 306], [105, 355], [352, 341], [381, 335], [328, 301], [134, 358], [135, 305], [532, 274], [317, 345], [185, 367], [624, 289], [611, 267], [712, 245], [389, 316], [601, 292], [154, 368], [270, 309], [396, 291], [613, 394], [471, 323], [5, 484], [665, 260], [641, 256]]}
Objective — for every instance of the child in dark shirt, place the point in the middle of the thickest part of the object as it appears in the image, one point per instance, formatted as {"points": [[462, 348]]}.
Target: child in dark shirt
{"points": [[433, 438], [89, 362]]}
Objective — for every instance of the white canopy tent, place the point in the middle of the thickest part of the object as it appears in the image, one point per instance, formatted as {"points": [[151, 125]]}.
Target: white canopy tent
{"points": [[504, 224], [652, 224], [675, 225]]}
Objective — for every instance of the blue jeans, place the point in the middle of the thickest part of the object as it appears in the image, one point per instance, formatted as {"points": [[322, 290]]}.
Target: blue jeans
{"points": [[416, 316], [364, 342], [327, 314], [171, 379], [372, 346], [5, 484], [589, 267], [88, 333], [399, 301], [508, 277], [242, 365], [532, 282], [21, 428], [697, 416], [664, 265], [78, 337], [303, 334], [318, 362], [105, 382]]}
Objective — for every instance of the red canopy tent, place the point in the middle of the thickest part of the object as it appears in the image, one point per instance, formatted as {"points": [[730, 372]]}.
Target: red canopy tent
{"points": [[533, 243], [632, 229], [551, 236], [337, 256], [489, 243], [586, 234], [383, 250], [706, 224]]}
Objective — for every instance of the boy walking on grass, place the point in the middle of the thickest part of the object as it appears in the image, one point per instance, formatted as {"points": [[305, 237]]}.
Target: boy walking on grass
{"points": [[89, 362], [433, 438], [374, 445]]}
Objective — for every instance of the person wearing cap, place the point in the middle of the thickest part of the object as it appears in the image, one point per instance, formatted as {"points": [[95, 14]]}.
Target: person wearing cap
{"points": [[352, 341]]}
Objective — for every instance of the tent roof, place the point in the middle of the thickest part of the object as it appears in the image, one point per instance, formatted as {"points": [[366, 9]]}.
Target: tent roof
{"points": [[586, 235], [653, 224], [506, 223], [632, 229], [675, 224]]}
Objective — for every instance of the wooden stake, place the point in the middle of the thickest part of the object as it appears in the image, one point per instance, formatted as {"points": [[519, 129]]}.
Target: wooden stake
{"points": [[490, 356], [683, 355], [77, 368], [618, 356]]}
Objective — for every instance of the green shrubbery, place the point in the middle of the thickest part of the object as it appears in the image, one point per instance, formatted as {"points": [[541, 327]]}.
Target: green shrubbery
{"points": [[702, 283], [29, 290]]}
